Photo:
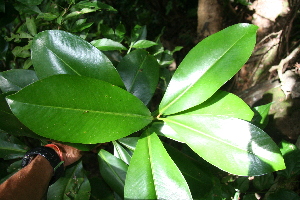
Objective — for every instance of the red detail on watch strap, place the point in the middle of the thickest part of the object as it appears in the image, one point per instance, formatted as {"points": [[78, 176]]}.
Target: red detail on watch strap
{"points": [[56, 148]]}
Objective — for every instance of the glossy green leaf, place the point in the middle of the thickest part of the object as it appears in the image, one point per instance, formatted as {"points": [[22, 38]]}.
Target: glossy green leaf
{"points": [[10, 123], [78, 109], [140, 73], [152, 174], [16, 79], [73, 185], [223, 103], [113, 171], [11, 147], [142, 44], [121, 153], [207, 67], [58, 52], [199, 181], [129, 142], [233, 145], [261, 116], [105, 44]]}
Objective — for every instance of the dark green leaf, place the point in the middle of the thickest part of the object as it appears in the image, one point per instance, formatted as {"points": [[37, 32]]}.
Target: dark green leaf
{"points": [[11, 124], [9, 148], [129, 142], [199, 181], [108, 45], [283, 194], [100, 190], [223, 103], [73, 185], [139, 72], [233, 145], [152, 174], [207, 67], [31, 2], [121, 153], [113, 171], [263, 182], [58, 52], [16, 79], [79, 109]]}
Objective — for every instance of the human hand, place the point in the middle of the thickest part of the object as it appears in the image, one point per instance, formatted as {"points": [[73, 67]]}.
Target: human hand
{"points": [[69, 154]]}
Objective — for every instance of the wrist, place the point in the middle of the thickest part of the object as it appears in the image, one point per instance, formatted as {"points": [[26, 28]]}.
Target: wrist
{"points": [[51, 155]]}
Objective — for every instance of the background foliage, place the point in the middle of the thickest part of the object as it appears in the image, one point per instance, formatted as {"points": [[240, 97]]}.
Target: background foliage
{"points": [[59, 71]]}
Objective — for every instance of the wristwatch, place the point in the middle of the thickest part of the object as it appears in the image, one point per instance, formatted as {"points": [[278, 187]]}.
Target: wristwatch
{"points": [[51, 155]]}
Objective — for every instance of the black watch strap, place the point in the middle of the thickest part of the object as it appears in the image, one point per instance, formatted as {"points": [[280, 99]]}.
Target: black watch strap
{"points": [[51, 155]]}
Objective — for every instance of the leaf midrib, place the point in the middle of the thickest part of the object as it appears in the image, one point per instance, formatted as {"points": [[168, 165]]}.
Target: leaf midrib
{"points": [[95, 111]]}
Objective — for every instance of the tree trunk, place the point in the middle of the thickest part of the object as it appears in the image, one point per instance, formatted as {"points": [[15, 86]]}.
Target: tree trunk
{"points": [[209, 18]]}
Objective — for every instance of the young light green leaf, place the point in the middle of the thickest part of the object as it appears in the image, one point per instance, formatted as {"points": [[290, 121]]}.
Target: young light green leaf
{"points": [[73, 185], [152, 174], [207, 67], [142, 44], [223, 103], [58, 52], [261, 116], [16, 79], [140, 73], [113, 171], [79, 109], [105, 44], [233, 145]]}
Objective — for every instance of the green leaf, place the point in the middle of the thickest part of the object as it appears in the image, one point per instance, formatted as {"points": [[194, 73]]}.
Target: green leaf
{"points": [[233, 145], [207, 67], [291, 155], [142, 44], [261, 116], [16, 79], [10, 123], [10, 148], [223, 103], [31, 2], [263, 182], [108, 45], [129, 142], [58, 52], [140, 73], [30, 23], [198, 179], [113, 171], [152, 174], [78, 109], [73, 185], [121, 153], [96, 5], [283, 194]]}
